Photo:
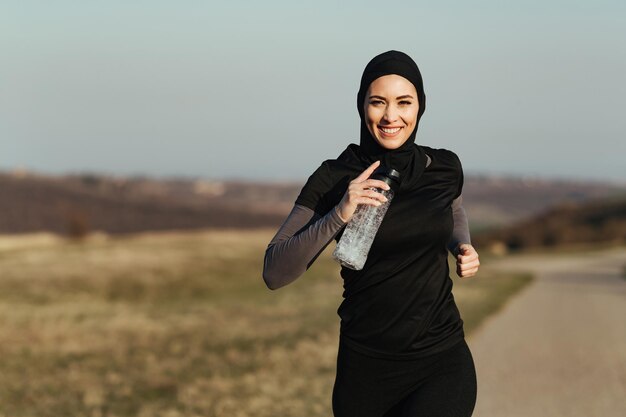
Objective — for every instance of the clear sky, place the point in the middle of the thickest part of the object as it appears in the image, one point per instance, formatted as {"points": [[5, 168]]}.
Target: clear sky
{"points": [[267, 89]]}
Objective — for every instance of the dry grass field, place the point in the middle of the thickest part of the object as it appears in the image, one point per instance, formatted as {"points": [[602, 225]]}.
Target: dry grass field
{"points": [[175, 324]]}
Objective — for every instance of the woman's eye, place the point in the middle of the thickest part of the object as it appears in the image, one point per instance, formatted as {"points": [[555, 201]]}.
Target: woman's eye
{"points": [[376, 102], [405, 103]]}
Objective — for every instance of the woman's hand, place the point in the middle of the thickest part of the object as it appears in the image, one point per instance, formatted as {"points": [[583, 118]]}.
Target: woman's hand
{"points": [[467, 262], [359, 192]]}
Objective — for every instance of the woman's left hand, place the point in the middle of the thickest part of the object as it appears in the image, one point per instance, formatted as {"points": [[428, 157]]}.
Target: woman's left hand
{"points": [[467, 262]]}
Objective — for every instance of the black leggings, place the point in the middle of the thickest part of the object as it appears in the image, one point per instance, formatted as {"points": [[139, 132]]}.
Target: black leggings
{"points": [[440, 385]]}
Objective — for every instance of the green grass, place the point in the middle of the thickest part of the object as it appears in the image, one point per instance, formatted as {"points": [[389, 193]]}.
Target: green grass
{"points": [[176, 324]]}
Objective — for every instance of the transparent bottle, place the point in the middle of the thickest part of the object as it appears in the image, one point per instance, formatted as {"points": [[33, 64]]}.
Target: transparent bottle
{"points": [[357, 238]]}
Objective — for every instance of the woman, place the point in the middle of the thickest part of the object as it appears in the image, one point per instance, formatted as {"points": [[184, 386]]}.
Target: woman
{"points": [[402, 350]]}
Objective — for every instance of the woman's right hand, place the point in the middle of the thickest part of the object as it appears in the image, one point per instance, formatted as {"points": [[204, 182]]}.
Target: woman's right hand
{"points": [[359, 192]]}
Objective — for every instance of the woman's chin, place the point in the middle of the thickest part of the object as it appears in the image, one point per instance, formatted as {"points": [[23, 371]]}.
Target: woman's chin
{"points": [[390, 144]]}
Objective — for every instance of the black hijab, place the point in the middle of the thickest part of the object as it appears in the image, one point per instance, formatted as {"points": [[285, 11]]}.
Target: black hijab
{"points": [[409, 159]]}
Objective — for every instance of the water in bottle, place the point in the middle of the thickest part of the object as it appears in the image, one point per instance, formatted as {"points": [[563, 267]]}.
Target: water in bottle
{"points": [[357, 238]]}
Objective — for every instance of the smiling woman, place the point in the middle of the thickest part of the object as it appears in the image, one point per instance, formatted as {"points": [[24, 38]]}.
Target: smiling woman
{"points": [[391, 110], [402, 350]]}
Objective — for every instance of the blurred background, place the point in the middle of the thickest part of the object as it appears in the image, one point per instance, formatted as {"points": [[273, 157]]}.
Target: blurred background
{"points": [[150, 150]]}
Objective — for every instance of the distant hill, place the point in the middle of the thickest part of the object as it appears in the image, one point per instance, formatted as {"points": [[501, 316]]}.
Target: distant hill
{"points": [[77, 204], [499, 201], [566, 224]]}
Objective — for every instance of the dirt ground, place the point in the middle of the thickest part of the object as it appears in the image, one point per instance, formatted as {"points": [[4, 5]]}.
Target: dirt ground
{"points": [[559, 347]]}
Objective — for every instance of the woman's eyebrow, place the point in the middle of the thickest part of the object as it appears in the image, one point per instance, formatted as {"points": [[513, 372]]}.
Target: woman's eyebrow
{"points": [[397, 98]]}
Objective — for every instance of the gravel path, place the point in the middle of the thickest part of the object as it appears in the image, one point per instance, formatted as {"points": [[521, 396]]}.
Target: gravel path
{"points": [[559, 347]]}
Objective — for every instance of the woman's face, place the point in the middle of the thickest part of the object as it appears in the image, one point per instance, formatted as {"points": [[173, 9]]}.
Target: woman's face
{"points": [[391, 109]]}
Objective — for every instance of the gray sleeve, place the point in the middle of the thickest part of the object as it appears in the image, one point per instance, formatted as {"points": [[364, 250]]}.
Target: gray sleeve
{"points": [[461, 232], [296, 245]]}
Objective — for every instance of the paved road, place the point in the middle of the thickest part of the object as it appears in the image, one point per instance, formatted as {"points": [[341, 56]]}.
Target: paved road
{"points": [[559, 347]]}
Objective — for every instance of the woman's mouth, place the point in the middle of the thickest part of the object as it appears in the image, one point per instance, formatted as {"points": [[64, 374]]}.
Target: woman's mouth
{"points": [[389, 131]]}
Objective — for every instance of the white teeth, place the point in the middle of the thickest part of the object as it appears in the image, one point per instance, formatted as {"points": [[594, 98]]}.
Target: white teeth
{"points": [[390, 131]]}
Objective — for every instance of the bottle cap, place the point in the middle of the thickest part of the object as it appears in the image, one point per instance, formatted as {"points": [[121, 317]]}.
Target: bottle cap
{"points": [[387, 175]]}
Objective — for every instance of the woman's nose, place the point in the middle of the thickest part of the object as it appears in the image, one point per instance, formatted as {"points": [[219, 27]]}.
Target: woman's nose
{"points": [[390, 114]]}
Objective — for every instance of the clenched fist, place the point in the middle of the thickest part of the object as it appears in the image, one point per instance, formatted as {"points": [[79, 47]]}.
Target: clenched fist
{"points": [[467, 262]]}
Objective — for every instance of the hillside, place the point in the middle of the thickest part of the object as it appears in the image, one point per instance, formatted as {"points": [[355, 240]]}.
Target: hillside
{"points": [[566, 224], [77, 204], [495, 202]]}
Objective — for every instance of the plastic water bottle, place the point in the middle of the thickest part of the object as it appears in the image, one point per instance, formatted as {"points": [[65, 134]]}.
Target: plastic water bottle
{"points": [[357, 238]]}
